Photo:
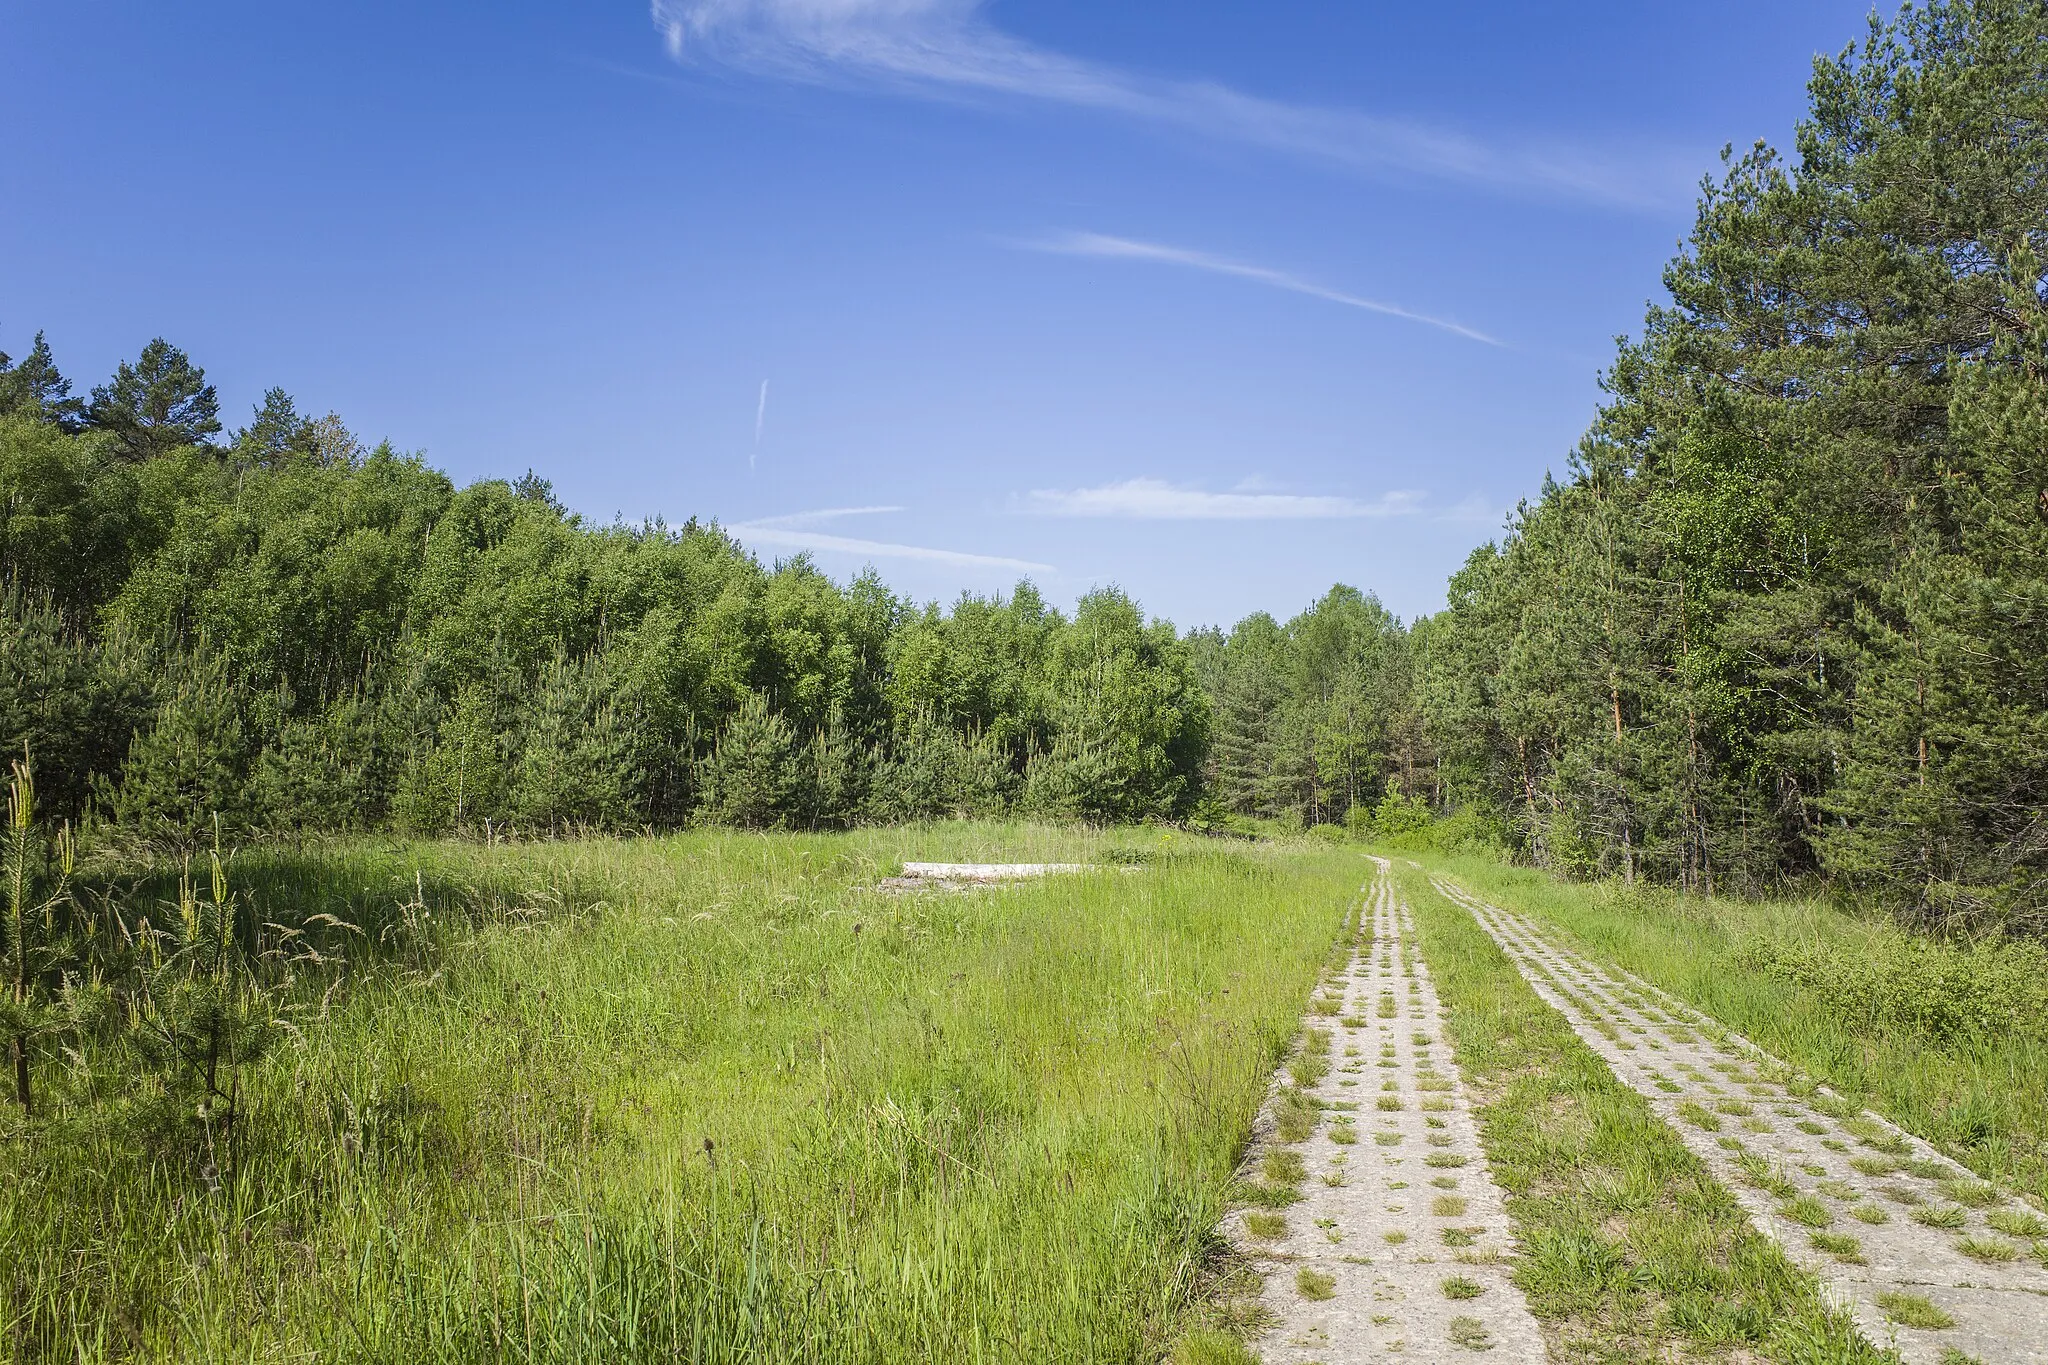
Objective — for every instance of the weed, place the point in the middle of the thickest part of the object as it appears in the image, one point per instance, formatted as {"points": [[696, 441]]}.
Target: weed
{"points": [[1444, 1160], [1807, 1210], [1762, 1173], [1936, 1217], [1876, 1136], [1471, 1334], [1971, 1193], [1911, 1310], [1296, 1116], [1458, 1287], [1394, 1236], [1286, 1168], [1869, 1213], [1315, 1284], [1874, 1165], [1839, 1245], [1448, 1206], [1987, 1249], [2018, 1224], [1267, 1227], [1698, 1117], [1210, 1348], [1388, 1103], [1444, 1182], [1267, 1196]]}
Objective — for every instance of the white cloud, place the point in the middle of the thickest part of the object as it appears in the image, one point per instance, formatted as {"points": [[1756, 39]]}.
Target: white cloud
{"points": [[1157, 500], [933, 46], [1123, 248], [787, 532]]}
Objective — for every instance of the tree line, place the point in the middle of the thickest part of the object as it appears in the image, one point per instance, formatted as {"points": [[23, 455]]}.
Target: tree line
{"points": [[280, 628], [1786, 617]]}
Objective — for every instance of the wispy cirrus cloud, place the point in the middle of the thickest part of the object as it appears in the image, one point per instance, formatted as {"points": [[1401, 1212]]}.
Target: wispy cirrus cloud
{"points": [[938, 47], [792, 531], [1157, 500], [1126, 249]]}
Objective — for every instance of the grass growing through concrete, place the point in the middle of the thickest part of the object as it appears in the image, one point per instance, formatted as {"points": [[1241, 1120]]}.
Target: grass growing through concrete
{"points": [[1629, 1249], [710, 1098], [1948, 1041]]}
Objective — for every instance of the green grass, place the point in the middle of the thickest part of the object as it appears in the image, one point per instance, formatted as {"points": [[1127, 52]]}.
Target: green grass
{"points": [[708, 1097], [1911, 1310], [1629, 1248], [1913, 1029], [1315, 1284]]}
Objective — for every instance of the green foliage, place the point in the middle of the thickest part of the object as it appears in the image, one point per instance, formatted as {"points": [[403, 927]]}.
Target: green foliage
{"points": [[156, 405], [1954, 995], [303, 635], [37, 390], [185, 774], [1312, 721], [1786, 614], [1035, 1099], [35, 882], [196, 1015]]}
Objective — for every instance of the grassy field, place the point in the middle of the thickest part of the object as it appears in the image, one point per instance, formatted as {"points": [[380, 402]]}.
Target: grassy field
{"points": [[708, 1097], [1948, 1040], [1629, 1249]]}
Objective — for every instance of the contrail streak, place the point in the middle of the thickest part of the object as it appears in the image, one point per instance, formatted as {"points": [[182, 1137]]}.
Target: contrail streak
{"points": [[760, 416]]}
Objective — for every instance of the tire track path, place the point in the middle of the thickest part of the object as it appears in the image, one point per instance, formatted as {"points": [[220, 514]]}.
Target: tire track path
{"points": [[1399, 1243], [1929, 1259]]}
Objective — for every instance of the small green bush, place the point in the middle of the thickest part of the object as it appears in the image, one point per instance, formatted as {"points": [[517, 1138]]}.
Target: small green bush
{"points": [[1952, 994]]}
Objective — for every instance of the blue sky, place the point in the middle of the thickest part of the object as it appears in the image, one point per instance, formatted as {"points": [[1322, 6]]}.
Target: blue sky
{"points": [[1221, 302]]}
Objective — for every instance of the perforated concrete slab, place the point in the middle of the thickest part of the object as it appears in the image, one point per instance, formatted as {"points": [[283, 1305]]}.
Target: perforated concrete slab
{"points": [[1399, 1247], [1878, 1215]]}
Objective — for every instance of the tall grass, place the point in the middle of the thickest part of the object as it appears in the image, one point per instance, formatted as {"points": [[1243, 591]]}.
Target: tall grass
{"points": [[1947, 1040], [706, 1097]]}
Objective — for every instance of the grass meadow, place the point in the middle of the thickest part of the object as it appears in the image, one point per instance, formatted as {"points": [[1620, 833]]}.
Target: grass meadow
{"points": [[710, 1097]]}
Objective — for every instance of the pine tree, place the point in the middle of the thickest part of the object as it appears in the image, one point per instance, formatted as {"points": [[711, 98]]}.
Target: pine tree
{"points": [[185, 774], [37, 390], [199, 1014], [156, 405], [748, 779], [1941, 801]]}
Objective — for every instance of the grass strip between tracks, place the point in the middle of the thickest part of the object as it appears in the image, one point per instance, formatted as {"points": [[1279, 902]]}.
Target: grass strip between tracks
{"points": [[1628, 1246]]}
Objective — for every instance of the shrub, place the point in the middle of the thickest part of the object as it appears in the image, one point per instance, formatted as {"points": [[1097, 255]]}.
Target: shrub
{"points": [[1952, 994]]}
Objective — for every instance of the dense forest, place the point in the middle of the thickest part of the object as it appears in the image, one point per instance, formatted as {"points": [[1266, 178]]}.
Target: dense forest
{"points": [[1789, 614], [1786, 617]]}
